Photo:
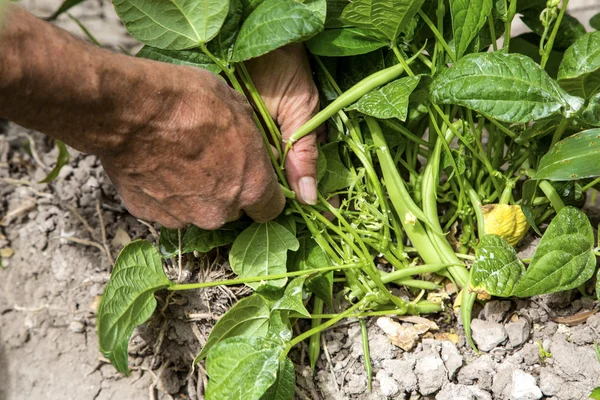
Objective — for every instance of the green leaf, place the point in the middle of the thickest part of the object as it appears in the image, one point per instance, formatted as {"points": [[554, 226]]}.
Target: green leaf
{"points": [[344, 42], [579, 71], [196, 239], [248, 317], [175, 24], [318, 7], [128, 299], [575, 157], [497, 269], [507, 87], [222, 44], [311, 256], [337, 175], [190, 58], [242, 368], [285, 385], [569, 31], [468, 17], [529, 44], [62, 160], [595, 395], [64, 7], [389, 101], [595, 22], [260, 250], [273, 24], [564, 258], [591, 114], [280, 328], [390, 17], [292, 298]]}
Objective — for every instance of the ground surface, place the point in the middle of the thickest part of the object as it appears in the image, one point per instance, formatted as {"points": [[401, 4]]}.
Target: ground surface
{"points": [[56, 265]]}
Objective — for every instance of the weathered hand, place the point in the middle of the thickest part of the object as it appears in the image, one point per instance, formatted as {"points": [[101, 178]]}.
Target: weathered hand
{"points": [[284, 80], [200, 160]]}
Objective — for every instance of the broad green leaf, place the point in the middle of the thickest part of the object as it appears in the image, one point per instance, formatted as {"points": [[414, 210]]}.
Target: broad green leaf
{"points": [[507, 87], [292, 298], [190, 58], [389, 101], [273, 24], [318, 7], [468, 17], [390, 17], [595, 22], [529, 44], [222, 44], [591, 114], [62, 160], [260, 250], [196, 239], [337, 175], [579, 71], [497, 269], [280, 328], [241, 368], [64, 7], [595, 395], [311, 256], [247, 317], [174, 24], [564, 258], [128, 299], [344, 42], [393, 16], [334, 13], [574, 157], [288, 222], [285, 385]]}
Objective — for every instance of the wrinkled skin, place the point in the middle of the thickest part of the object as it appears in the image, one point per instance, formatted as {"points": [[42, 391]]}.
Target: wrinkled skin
{"points": [[179, 144]]}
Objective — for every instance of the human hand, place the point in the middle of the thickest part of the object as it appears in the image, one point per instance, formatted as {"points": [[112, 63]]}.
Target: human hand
{"points": [[284, 80], [199, 159]]}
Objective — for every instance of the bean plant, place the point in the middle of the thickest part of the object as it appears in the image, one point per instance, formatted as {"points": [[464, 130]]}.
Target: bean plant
{"points": [[448, 140]]}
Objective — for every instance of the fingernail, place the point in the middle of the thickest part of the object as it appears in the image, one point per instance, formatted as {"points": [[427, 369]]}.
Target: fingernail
{"points": [[308, 189]]}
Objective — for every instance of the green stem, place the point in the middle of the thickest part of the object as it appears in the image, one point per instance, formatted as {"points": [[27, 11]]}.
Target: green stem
{"points": [[510, 15], [347, 313], [314, 345], [550, 43], [438, 35], [552, 195], [366, 352], [229, 282]]}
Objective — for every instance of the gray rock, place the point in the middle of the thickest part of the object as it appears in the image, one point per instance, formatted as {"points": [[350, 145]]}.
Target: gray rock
{"points": [[403, 372], [487, 334], [453, 391], [451, 358], [553, 385], [479, 372], [495, 310], [531, 354], [380, 346], [557, 299], [431, 373], [387, 385], [582, 335], [575, 363], [518, 332], [524, 387], [502, 383], [594, 322]]}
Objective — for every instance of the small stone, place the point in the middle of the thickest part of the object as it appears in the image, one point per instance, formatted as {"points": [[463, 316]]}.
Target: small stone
{"points": [[77, 326], [524, 387], [403, 372], [501, 386], [582, 335], [479, 372], [451, 358], [518, 332], [594, 322], [388, 385], [531, 354], [495, 310], [550, 383], [121, 238], [453, 391], [557, 299], [575, 363], [487, 334], [431, 373]]}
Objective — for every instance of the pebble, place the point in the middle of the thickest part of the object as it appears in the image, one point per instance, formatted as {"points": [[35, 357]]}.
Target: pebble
{"points": [[495, 310], [453, 391], [518, 332], [77, 326], [403, 372], [480, 372], [431, 373], [531, 353], [388, 385], [524, 387], [487, 334], [451, 358]]}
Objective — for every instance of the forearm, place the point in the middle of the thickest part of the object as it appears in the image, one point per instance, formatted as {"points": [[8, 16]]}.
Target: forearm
{"points": [[71, 90]]}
